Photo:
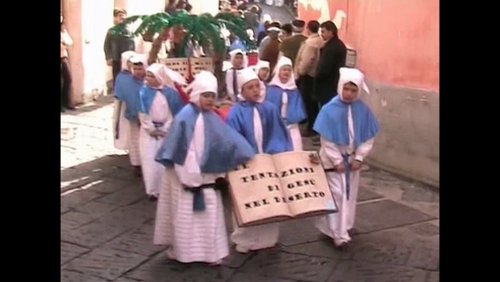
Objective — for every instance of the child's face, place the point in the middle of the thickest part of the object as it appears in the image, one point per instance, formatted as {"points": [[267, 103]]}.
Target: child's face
{"points": [[207, 101], [151, 80], [129, 66], [285, 73], [238, 61], [251, 91], [263, 73], [349, 92], [138, 71]]}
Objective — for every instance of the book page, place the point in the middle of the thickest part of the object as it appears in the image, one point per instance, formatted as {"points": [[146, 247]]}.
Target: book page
{"points": [[304, 184], [256, 192]]}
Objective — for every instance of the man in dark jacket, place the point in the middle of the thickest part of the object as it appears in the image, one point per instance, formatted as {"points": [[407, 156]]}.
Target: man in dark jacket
{"points": [[115, 45], [332, 58]]}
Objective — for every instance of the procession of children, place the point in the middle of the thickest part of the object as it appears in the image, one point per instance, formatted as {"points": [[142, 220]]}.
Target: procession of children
{"points": [[183, 150]]}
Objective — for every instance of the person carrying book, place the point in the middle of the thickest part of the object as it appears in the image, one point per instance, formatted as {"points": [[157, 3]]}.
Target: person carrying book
{"points": [[347, 128], [197, 153], [261, 125]]}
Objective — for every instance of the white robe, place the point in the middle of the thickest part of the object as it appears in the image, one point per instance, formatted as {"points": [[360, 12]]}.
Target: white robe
{"points": [[121, 142], [336, 225], [133, 143], [229, 84], [152, 171], [191, 236], [259, 236], [293, 129], [128, 138]]}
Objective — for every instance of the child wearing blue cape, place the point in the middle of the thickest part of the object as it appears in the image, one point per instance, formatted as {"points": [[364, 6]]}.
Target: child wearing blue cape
{"points": [[198, 152], [159, 103], [120, 125], [347, 128], [127, 89], [283, 93], [260, 124]]}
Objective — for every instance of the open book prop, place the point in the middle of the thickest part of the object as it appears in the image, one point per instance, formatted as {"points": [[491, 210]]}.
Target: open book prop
{"points": [[272, 188]]}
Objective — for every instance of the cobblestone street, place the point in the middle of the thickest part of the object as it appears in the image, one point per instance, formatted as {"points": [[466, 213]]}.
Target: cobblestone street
{"points": [[107, 224]]}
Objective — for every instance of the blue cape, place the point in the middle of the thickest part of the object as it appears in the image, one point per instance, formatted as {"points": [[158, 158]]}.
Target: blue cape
{"points": [[147, 95], [331, 122], [127, 90], [224, 148], [295, 112], [275, 134]]}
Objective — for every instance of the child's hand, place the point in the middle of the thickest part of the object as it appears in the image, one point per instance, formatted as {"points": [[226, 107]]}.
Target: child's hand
{"points": [[314, 158], [356, 165]]}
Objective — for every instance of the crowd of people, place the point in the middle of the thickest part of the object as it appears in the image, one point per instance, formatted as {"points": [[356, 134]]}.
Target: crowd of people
{"points": [[182, 144]]}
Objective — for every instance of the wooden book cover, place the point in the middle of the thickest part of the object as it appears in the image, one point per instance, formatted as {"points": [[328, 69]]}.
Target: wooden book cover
{"points": [[272, 188]]}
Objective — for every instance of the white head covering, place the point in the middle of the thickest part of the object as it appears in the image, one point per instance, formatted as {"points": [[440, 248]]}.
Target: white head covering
{"points": [[166, 76], [203, 82], [261, 64], [250, 34], [266, 18], [351, 75], [239, 51], [139, 58], [290, 84], [125, 57], [158, 70], [274, 29], [175, 76], [245, 75]]}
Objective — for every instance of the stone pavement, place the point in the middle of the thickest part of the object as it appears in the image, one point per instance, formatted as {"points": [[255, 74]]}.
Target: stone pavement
{"points": [[107, 224]]}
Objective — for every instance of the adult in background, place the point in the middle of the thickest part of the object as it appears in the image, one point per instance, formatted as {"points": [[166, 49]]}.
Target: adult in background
{"points": [[332, 58], [116, 44]]}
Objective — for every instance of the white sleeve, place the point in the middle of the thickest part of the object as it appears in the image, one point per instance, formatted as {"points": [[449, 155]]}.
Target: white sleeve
{"points": [[363, 149], [229, 84], [332, 151], [146, 122]]}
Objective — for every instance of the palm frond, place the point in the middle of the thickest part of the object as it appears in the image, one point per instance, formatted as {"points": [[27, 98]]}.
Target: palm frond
{"points": [[121, 28], [203, 29]]}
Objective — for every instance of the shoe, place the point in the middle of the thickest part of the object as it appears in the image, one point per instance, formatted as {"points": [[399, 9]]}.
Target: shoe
{"points": [[352, 232], [137, 171], [242, 250], [217, 263], [342, 246]]}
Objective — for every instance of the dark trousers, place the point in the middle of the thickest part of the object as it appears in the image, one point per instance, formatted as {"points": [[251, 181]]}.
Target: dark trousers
{"points": [[116, 68], [306, 87], [65, 84]]}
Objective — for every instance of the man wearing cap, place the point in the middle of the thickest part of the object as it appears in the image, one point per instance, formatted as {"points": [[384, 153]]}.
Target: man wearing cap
{"points": [[271, 51], [289, 47], [274, 29], [261, 125], [116, 44]]}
